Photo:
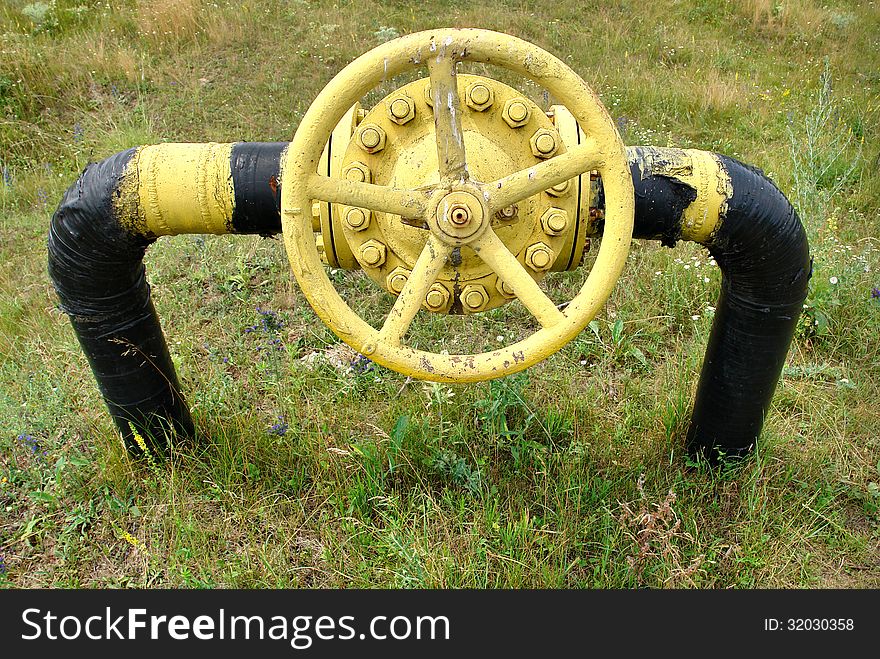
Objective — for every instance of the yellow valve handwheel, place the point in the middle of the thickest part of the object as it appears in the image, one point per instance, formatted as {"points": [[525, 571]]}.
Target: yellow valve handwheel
{"points": [[458, 209]]}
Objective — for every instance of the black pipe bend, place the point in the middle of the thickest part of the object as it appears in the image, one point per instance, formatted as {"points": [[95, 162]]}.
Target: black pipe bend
{"points": [[97, 269], [761, 248]]}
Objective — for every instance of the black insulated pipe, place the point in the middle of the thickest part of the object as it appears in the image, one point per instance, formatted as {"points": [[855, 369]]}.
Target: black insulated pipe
{"points": [[761, 248], [96, 266], [97, 269], [759, 244]]}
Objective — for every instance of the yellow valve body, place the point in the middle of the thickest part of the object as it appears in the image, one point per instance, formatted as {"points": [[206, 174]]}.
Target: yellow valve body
{"points": [[408, 160]]}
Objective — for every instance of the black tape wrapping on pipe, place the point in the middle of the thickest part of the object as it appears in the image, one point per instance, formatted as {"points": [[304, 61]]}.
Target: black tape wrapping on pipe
{"points": [[256, 180], [97, 269], [761, 248]]}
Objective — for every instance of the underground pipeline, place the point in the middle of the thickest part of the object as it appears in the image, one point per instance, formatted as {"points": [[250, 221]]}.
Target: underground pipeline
{"points": [[118, 207]]}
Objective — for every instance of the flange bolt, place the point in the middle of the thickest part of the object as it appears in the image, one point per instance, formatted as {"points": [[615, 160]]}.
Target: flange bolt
{"points": [[539, 257], [373, 253]]}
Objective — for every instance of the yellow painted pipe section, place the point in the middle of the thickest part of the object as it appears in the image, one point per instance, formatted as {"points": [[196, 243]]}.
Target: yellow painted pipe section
{"points": [[714, 188], [180, 188], [700, 170]]}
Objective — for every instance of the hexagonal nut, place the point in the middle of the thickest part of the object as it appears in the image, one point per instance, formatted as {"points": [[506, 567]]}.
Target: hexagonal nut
{"points": [[507, 213], [373, 253], [540, 257], [358, 219], [516, 112], [357, 172], [396, 279], [437, 297], [554, 221], [371, 138], [428, 98], [474, 297], [545, 143], [559, 189], [504, 288], [401, 110], [479, 96]]}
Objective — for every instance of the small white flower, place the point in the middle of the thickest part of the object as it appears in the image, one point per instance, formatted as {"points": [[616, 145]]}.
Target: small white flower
{"points": [[500, 339], [687, 267], [833, 280], [706, 279], [659, 272], [695, 317]]}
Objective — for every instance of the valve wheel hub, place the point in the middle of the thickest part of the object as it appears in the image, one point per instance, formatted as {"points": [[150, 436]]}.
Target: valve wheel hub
{"points": [[460, 216]]}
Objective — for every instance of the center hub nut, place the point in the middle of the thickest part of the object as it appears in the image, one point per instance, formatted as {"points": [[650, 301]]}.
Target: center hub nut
{"points": [[459, 216]]}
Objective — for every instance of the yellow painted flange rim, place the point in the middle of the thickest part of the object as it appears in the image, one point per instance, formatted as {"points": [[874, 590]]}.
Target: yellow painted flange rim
{"points": [[604, 151]]}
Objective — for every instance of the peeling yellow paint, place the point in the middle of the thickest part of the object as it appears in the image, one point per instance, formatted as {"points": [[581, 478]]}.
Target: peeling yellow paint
{"points": [[702, 171], [179, 188]]}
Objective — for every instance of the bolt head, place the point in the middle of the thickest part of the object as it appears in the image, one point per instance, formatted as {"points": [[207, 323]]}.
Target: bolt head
{"points": [[539, 257], [507, 213], [401, 110], [554, 221], [371, 138], [504, 288], [545, 143], [437, 297], [559, 190], [428, 98], [357, 219], [516, 112], [358, 172], [479, 97], [396, 279], [373, 253], [474, 297]]}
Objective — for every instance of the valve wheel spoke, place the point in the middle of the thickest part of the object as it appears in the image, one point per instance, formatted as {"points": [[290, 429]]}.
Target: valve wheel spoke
{"points": [[447, 118], [495, 254], [406, 203], [433, 257], [523, 184]]}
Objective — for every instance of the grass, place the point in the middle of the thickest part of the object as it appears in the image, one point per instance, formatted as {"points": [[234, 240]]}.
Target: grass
{"points": [[315, 469]]}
